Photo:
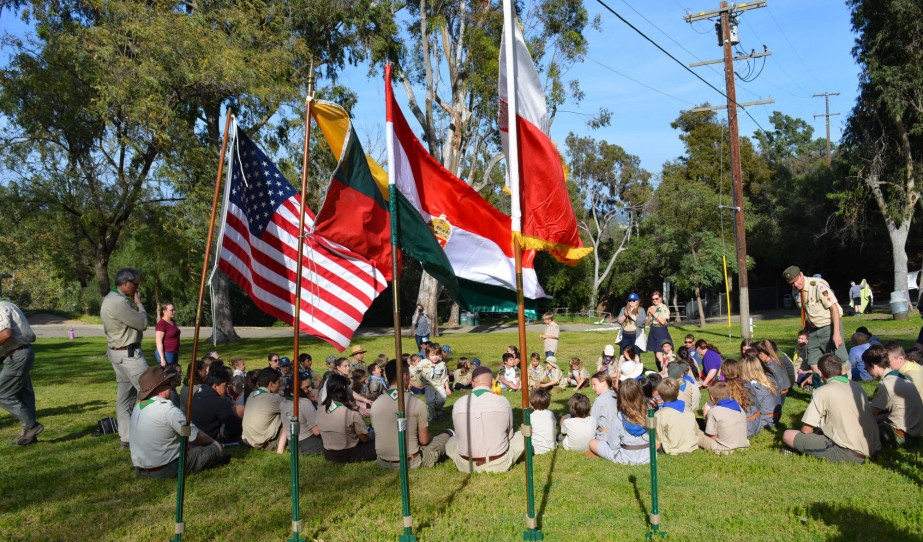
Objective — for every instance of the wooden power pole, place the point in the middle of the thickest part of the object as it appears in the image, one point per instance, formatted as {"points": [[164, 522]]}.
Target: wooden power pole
{"points": [[728, 15], [827, 116]]}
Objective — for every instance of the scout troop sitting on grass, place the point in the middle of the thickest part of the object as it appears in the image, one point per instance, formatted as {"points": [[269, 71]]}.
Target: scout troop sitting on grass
{"points": [[744, 397]]}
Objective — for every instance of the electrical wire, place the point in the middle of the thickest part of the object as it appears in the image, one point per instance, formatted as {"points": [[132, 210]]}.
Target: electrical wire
{"points": [[784, 35], [781, 67], [664, 51], [668, 95]]}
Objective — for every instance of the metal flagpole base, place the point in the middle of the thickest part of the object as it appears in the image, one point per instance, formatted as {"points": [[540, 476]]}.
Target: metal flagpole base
{"points": [[533, 535]]}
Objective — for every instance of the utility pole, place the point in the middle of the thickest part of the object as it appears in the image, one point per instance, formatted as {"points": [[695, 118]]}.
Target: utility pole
{"points": [[728, 15], [827, 96]]}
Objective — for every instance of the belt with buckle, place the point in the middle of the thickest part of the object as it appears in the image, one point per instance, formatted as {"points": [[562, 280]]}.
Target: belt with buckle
{"points": [[133, 345], [482, 460], [10, 353]]}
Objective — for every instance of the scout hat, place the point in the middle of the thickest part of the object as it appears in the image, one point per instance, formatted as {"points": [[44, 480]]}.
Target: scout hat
{"points": [[791, 272], [356, 349], [151, 380], [475, 362], [676, 370], [553, 361], [609, 350], [630, 369], [665, 341]]}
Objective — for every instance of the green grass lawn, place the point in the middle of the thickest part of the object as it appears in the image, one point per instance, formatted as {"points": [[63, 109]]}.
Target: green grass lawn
{"points": [[73, 486]]}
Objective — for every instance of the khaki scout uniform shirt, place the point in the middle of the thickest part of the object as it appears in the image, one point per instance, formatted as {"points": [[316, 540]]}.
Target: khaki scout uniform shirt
{"points": [[841, 410], [483, 424], [676, 431], [730, 425], [20, 331], [551, 345], [340, 427], [904, 405], [914, 373], [123, 324], [384, 421], [818, 298], [155, 432], [262, 418]]}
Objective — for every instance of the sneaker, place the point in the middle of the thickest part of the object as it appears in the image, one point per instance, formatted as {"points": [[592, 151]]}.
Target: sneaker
{"points": [[787, 451], [224, 459], [124, 445], [23, 441], [32, 432]]}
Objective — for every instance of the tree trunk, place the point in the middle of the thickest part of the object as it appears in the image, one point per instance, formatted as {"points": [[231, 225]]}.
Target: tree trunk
{"points": [[698, 300], [224, 327], [453, 315], [427, 296], [898, 235], [102, 273], [675, 306]]}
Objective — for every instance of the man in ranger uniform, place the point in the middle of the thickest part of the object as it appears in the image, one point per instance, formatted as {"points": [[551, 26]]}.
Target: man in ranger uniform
{"points": [[822, 317]]}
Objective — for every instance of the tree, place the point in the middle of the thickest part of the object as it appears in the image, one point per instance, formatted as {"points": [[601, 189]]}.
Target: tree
{"points": [[885, 128], [453, 52], [614, 188]]}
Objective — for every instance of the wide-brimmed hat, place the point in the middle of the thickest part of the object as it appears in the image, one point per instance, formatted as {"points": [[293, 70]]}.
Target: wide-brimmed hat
{"points": [[630, 369], [553, 361], [152, 379], [356, 349], [609, 350]]}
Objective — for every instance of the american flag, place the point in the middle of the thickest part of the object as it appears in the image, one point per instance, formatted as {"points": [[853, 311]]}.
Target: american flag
{"points": [[259, 241]]}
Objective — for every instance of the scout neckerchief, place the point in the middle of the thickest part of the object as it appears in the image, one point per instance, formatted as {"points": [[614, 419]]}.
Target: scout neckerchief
{"points": [[679, 405], [686, 380], [146, 402], [259, 391], [840, 378], [894, 373], [381, 380], [633, 429], [333, 406], [480, 391], [393, 394], [729, 403]]}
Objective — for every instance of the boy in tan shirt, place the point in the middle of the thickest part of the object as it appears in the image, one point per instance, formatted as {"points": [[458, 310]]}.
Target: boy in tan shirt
{"points": [[675, 423], [896, 405], [841, 410], [725, 423], [899, 362]]}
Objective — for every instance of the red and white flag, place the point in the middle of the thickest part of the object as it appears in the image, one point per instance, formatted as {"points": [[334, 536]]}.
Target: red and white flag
{"points": [[258, 245], [542, 210]]}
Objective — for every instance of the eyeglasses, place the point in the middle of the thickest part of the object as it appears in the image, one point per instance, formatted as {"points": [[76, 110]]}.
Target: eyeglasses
{"points": [[689, 342], [655, 299]]}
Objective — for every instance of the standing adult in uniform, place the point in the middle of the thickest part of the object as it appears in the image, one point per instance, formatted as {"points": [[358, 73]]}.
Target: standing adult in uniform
{"points": [[124, 326], [822, 317], [658, 316], [16, 358]]}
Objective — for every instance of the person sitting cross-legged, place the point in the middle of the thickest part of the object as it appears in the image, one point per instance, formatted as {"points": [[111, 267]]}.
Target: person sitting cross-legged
{"points": [[421, 450], [155, 431], [839, 408], [484, 440], [212, 409]]}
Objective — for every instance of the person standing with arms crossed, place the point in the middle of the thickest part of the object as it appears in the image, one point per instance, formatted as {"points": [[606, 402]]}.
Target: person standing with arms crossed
{"points": [[16, 358], [124, 326], [630, 317], [421, 323], [822, 318]]}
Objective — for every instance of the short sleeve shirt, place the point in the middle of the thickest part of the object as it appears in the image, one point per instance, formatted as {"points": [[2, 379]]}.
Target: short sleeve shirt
{"points": [[841, 410], [578, 432], [170, 335], [915, 374], [604, 411], [384, 421], [904, 405], [660, 311], [262, 417], [21, 333], [307, 416], [340, 427], [483, 424], [818, 298], [551, 345], [676, 430], [543, 431], [155, 432], [730, 425]]}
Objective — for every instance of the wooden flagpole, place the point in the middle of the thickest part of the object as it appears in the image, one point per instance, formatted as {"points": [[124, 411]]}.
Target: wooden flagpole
{"points": [[294, 425], [532, 532], [180, 527], [407, 535]]}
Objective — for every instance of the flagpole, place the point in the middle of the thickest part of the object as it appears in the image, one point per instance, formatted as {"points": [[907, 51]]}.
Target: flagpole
{"points": [[408, 535], [512, 160], [294, 424], [180, 526]]}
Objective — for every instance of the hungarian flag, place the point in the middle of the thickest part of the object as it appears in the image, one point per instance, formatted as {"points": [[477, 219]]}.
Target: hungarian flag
{"points": [[355, 210], [476, 238], [258, 249], [548, 221]]}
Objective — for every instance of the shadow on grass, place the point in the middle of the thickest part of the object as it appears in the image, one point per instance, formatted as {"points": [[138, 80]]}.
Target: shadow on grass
{"points": [[907, 463], [856, 524], [546, 490], [70, 409], [634, 485], [447, 503]]}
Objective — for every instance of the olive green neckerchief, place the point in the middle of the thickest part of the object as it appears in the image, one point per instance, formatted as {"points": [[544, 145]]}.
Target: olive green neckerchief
{"points": [[894, 373], [840, 378], [478, 393]]}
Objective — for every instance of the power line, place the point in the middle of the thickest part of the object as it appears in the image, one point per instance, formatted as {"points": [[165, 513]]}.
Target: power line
{"points": [[784, 35], [781, 67], [687, 68], [668, 95]]}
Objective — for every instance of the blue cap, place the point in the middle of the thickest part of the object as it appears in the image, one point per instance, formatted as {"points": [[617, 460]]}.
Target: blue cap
{"points": [[633, 297], [476, 362], [447, 350], [284, 362]]}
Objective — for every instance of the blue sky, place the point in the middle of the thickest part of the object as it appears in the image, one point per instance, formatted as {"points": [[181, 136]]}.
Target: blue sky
{"points": [[810, 43]]}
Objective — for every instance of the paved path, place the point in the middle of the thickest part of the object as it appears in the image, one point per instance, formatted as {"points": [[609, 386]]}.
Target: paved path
{"points": [[61, 330]]}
